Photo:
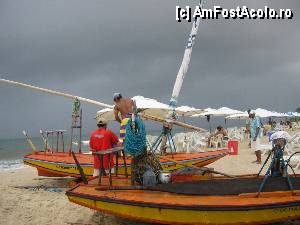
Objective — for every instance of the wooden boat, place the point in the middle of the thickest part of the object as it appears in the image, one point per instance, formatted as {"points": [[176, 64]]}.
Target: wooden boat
{"points": [[61, 164], [215, 201]]}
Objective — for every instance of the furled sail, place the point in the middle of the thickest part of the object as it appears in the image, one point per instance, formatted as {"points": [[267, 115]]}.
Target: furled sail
{"points": [[185, 63]]}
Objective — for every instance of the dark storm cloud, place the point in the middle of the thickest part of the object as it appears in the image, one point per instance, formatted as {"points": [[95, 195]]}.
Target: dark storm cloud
{"points": [[95, 48]]}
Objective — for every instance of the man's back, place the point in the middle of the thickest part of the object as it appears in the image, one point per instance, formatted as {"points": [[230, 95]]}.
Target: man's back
{"points": [[102, 139]]}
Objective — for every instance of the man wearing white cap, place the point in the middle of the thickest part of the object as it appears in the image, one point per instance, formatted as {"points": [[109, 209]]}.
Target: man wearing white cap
{"points": [[102, 139], [255, 135]]}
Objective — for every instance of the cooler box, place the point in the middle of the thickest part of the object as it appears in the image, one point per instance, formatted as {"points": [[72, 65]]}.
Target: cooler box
{"points": [[233, 147]]}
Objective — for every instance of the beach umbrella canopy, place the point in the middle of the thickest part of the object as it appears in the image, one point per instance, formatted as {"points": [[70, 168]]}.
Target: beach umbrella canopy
{"points": [[291, 114], [225, 111], [206, 112], [187, 111], [145, 105], [243, 115], [263, 113], [151, 107]]}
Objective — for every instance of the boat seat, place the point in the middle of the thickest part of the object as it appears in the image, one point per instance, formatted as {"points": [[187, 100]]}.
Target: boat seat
{"points": [[116, 151], [227, 186]]}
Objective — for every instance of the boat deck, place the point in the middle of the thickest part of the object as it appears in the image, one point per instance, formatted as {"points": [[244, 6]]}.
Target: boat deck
{"points": [[228, 193], [228, 186]]}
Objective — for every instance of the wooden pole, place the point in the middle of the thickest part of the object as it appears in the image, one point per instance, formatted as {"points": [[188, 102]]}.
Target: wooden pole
{"points": [[178, 123], [56, 93], [196, 167], [28, 139]]}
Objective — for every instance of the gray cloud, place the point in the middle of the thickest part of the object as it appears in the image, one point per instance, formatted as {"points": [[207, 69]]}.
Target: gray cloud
{"points": [[94, 48]]}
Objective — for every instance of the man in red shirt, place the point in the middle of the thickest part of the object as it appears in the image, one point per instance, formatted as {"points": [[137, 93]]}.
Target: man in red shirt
{"points": [[102, 139]]}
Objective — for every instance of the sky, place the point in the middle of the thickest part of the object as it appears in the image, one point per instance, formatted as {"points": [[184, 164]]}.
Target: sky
{"points": [[95, 48]]}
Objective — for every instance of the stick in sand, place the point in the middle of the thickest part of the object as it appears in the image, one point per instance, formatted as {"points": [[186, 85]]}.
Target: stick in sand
{"points": [[196, 167], [28, 139]]}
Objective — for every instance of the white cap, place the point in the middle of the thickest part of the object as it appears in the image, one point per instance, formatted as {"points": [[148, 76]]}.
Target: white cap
{"points": [[252, 112], [101, 120]]}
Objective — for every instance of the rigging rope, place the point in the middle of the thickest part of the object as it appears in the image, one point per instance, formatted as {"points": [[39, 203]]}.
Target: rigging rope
{"points": [[135, 141]]}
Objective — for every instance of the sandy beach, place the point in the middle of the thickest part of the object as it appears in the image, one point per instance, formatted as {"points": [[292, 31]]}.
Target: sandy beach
{"points": [[28, 199]]}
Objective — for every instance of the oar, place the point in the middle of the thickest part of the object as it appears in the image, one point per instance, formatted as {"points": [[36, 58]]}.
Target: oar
{"points": [[28, 139], [83, 177], [196, 167]]}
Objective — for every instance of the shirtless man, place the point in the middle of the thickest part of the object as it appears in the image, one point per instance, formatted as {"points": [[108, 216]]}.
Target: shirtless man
{"points": [[220, 130], [124, 107]]}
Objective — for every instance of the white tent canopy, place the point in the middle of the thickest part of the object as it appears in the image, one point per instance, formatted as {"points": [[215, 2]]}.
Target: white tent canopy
{"points": [[223, 111]]}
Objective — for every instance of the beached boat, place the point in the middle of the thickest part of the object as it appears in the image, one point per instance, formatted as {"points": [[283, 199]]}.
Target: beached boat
{"points": [[60, 164], [214, 201]]}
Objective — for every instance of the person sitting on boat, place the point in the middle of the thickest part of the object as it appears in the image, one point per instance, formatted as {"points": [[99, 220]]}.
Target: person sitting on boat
{"points": [[220, 131], [102, 139], [124, 107], [255, 129]]}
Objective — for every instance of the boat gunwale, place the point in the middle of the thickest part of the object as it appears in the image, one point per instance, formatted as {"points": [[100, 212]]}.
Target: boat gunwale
{"points": [[166, 222], [220, 153], [182, 207]]}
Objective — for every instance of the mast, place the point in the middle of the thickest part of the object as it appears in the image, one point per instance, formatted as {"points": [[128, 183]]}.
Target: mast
{"points": [[185, 63]]}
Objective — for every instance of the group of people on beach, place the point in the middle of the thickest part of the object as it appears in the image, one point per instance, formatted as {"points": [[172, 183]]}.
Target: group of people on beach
{"points": [[103, 138], [253, 127]]}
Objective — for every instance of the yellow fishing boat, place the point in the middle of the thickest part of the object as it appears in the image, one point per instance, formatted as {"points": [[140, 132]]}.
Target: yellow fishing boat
{"points": [[61, 164], [208, 202]]}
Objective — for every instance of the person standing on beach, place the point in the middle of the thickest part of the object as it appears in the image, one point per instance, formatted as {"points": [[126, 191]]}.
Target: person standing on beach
{"points": [[255, 135], [124, 107], [247, 130], [100, 140]]}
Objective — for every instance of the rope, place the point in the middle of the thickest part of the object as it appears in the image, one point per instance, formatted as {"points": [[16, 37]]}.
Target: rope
{"points": [[76, 107], [135, 141]]}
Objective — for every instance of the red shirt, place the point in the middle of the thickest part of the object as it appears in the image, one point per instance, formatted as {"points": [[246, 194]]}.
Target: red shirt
{"points": [[102, 140]]}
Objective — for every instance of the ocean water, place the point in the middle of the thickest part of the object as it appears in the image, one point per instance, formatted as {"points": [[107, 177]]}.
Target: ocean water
{"points": [[13, 150]]}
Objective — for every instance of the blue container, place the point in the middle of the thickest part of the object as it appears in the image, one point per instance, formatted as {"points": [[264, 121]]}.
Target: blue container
{"points": [[270, 134]]}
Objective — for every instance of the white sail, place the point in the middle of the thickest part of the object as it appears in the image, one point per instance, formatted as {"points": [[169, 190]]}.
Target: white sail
{"points": [[185, 63]]}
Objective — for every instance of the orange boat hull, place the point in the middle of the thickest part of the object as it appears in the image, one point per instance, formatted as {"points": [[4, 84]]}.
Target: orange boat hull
{"points": [[62, 164], [173, 208]]}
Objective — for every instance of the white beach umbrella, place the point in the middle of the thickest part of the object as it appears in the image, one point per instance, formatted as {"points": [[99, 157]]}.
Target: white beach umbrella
{"points": [[264, 113], [291, 114], [225, 111], [206, 112], [151, 107], [243, 115], [145, 105], [106, 113], [187, 111]]}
